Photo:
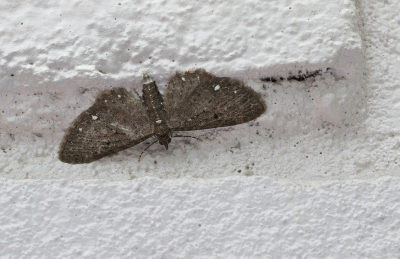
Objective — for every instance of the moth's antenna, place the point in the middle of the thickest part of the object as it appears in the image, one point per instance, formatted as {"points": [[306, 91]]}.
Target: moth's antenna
{"points": [[146, 149], [180, 136], [137, 94]]}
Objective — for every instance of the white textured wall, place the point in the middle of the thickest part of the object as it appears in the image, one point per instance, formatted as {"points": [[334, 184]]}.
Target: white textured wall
{"points": [[316, 176], [249, 217]]}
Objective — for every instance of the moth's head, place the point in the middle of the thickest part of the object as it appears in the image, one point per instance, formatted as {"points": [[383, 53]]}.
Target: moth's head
{"points": [[165, 141]]}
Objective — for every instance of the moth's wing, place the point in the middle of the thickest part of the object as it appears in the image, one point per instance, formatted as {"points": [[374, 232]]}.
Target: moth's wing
{"points": [[181, 85], [114, 122], [204, 101]]}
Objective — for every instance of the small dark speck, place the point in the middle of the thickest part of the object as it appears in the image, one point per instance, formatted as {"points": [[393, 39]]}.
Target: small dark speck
{"points": [[306, 156], [199, 225], [173, 60], [155, 161], [22, 23], [320, 153], [40, 135], [101, 71], [119, 3], [239, 171], [12, 74]]}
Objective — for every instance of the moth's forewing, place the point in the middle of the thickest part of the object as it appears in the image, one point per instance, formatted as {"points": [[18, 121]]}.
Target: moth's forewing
{"points": [[181, 85], [115, 121], [206, 101]]}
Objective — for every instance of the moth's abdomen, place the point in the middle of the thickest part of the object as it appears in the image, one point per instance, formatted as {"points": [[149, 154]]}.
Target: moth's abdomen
{"points": [[153, 101], [154, 104]]}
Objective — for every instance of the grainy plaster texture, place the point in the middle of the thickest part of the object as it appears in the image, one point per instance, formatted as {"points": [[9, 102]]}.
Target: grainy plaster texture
{"points": [[316, 176]]}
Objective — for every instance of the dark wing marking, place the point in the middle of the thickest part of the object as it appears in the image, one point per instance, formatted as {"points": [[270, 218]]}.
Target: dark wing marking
{"points": [[199, 100], [114, 122]]}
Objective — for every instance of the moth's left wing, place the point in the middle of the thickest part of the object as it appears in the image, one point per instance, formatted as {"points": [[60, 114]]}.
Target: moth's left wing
{"points": [[213, 102], [114, 122]]}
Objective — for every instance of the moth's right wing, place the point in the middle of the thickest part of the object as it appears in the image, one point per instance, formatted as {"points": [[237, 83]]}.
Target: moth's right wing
{"points": [[116, 121], [199, 100], [181, 86]]}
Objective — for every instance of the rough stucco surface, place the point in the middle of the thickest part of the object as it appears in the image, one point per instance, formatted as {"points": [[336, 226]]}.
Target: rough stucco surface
{"points": [[254, 217], [315, 177]]}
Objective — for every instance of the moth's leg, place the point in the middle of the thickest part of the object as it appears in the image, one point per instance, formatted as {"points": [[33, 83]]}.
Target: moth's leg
{"points": [[146, 149], [180, 136]]}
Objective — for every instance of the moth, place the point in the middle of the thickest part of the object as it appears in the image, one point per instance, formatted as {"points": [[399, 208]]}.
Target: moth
{"points": [[195, 100]]}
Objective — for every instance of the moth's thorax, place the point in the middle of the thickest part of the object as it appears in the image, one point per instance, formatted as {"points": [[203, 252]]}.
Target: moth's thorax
{"points": [[162, 130], [163, 133], [154, 103]]}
